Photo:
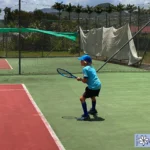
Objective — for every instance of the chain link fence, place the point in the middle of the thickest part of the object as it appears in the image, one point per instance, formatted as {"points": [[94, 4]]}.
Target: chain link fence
{"points": [[38, 45]]}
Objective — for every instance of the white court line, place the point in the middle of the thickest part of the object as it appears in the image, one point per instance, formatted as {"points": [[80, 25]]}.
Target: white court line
{"points": [[49, 128], [9, 64]]}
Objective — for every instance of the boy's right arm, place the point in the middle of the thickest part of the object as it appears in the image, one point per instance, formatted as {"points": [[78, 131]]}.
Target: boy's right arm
{"points": [[79, 79], [84, 80]]}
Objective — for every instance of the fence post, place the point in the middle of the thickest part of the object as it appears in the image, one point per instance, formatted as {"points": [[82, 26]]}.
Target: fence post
{"points": [[19, 40]]}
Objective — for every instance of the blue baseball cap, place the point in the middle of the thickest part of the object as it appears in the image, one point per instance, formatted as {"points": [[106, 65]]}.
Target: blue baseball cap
{"points": [[86, 58]]}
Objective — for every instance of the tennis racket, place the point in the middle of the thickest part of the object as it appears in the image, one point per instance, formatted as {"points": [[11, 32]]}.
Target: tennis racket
{"points": [[65, 73]]}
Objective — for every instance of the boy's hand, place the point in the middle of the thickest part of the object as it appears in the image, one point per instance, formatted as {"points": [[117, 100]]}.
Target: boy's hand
{"points": [[79, 79]]}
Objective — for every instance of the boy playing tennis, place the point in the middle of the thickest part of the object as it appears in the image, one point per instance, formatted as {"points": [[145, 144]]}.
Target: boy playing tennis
{"points": [[92, 90]]}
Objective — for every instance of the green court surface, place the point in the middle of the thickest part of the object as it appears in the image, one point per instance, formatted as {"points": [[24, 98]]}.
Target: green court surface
{"points": [[49, 65], [124, 104]]}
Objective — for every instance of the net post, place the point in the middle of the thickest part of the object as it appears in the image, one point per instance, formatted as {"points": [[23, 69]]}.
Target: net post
{"points": [[19, 39]]}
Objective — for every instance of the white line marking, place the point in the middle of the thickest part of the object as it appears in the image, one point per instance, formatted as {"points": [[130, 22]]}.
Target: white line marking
{"points": [[51, 131], [9, 64]]}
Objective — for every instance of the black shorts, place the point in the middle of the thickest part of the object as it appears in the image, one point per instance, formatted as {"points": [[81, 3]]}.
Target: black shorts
{"points": [[90, 93]]}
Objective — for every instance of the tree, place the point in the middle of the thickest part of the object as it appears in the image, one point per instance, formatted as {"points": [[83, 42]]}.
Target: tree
{"points": [[38, 14], [78, 10], [88, 10], [109, 10], [120, 8], [7, 14], [98, 9], [59, 7], [130, 9], [69, 8]]}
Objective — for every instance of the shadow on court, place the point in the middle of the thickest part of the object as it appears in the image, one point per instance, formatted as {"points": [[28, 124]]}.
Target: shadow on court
{"points": [[97, 118], [92, 118]]}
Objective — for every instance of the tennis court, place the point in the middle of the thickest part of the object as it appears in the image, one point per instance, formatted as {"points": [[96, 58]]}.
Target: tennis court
{"points": [[21, 120], [39, 66], [123, 105], [4, 64], [39, 106]]}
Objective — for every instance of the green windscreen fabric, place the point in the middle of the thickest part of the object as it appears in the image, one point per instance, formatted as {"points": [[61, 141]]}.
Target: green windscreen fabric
{"points": [[69, 35]]}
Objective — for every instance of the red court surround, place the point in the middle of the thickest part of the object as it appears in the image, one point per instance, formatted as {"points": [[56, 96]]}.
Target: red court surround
{"points": [[21, 126], [4, 64]]}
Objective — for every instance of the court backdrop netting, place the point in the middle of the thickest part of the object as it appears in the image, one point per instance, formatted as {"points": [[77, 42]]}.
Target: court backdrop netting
{"points": [[104, 42]]}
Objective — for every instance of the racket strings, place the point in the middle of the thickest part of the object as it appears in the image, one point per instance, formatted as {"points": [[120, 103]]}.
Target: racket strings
{"points": [[64, 73]]}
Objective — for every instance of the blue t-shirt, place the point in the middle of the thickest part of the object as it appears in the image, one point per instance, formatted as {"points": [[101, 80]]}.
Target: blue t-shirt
{"points": [[93, 81]]}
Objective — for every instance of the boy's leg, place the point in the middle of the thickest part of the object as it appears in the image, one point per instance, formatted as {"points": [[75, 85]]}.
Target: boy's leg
{"points": [[93, 103], [93, 110], [85, 116], [84, 106], [93, 94]]}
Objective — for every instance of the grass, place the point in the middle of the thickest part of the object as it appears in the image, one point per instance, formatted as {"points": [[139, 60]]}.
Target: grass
{"points": [[146, 57], [36, 54], [123, 103]]}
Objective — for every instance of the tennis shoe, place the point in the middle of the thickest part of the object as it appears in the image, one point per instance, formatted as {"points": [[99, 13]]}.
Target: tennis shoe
{"points": [[84, 118], [92, 112]]}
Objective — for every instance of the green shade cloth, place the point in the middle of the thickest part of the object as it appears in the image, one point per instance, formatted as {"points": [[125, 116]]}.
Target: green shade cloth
{"points": [[69, 35]]}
